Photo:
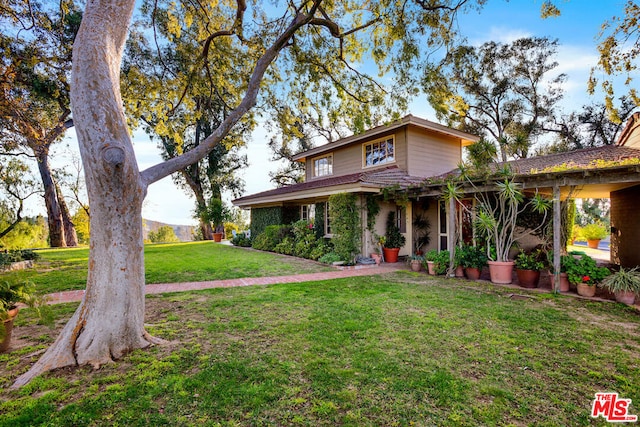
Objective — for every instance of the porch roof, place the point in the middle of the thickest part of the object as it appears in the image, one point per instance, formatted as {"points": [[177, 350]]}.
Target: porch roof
{"points": [[368, 181], [592, 172]]}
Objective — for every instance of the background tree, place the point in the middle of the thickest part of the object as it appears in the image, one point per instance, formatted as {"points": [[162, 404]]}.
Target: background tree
{"points": [[619, 50], [590, 127], [16, 186], [501, 91], [34, 93], [164, 234], [110, 320], [188, 113]]}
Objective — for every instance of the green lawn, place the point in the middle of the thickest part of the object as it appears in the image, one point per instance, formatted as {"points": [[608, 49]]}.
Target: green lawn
{"points": [[66, 269], [401, 349]]}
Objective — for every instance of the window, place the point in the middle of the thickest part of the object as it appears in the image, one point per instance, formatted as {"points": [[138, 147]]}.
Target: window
{"points": [[401, 221], [379, 152], [323, 166], [307, 212]]}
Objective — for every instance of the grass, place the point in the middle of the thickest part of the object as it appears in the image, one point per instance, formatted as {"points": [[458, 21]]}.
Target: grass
{"points": [[400, 349], [66, 269]]}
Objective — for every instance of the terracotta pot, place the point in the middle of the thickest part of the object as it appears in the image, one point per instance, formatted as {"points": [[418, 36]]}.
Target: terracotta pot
{"points": [[586, 290], [416, 265], [459, 271], [377, 258], [472, 273], [8, 328], [625, 297], [431, 268], [593, 244], [391, 254], [217, 237], [528, 278], [501, 272], [564, 282]]}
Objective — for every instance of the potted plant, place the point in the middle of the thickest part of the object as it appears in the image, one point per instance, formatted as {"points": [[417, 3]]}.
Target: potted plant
{"points": [[394, 240], [593, 233], [528, 266], [625, 285], [430, 259], [378, 242], [473, 259], [415, 262], [457, 260], [583, 272], [440, 262], [421, 238], [12, 294], [497, 213], [217, 213]]}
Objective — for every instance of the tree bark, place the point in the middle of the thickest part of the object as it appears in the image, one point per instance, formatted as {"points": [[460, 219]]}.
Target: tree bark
{"points": [[54, 214], [110, 319]]}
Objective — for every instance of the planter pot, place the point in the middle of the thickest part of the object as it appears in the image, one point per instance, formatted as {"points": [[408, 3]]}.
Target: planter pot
{"points": [[564, 282], [625, 297], [377, 258], [593, 244], [8, 328], [472, 273], [431, 268], [586, 290], [391, 254], [416, 265], [217, 237], [501, 272], [459, 271], [528, 278]]}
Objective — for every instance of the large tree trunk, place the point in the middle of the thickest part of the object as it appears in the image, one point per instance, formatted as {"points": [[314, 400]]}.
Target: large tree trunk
{"points": [[54, 215], [110, 319], [196, 187]]}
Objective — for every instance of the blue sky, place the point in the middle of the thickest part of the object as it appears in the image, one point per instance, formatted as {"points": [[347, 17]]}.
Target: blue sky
{"points": [[502, 21]]}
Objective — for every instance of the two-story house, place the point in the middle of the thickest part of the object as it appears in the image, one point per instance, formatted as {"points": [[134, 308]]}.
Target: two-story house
{"points": [[401, 154]]}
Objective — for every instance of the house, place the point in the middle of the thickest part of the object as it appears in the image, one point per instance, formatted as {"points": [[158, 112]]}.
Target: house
{"points": [[400, 154], [414, 156]]}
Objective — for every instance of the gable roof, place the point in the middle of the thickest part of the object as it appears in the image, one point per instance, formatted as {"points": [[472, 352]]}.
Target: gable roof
{"points": [[465, 138], [368, 181], [631, 129]]}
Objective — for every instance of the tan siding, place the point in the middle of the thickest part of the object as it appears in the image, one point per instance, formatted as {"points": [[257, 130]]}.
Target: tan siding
{"points": [[634, 139], [625, 223], [432, 154], [349, 159]]}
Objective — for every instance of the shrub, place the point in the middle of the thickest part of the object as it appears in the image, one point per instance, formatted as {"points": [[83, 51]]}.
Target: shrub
{"points": [[322, 248], [305, 238], [330, 258], [582, 269], [229, 228], [286, 246], [241, 239], [345, 225], [442, 262], [269, 239]]}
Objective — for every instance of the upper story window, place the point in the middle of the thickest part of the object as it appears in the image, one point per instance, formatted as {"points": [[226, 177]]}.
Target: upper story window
{"points": [[379, 152], [323, 165]]}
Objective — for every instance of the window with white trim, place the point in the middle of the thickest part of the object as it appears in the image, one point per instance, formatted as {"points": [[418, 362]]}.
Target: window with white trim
{"points": [[307, 212], [379, 152], [323, 166]]}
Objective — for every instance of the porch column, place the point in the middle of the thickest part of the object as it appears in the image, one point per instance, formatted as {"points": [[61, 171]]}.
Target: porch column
{"points": [[451, 237], [557, 230]]}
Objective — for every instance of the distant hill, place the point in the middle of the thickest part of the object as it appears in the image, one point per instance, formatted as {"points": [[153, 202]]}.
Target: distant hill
{"points": [[184, 232]]}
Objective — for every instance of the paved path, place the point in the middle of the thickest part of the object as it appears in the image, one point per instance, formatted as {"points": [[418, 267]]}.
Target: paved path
{"points": [[159, 288]]}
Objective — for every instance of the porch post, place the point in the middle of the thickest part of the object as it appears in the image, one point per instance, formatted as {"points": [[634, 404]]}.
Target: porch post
{"points": [[557, 219], [451, 237]]}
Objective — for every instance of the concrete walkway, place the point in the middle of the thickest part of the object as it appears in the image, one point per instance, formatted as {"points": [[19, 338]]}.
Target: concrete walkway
{"points": [[159, 288]]}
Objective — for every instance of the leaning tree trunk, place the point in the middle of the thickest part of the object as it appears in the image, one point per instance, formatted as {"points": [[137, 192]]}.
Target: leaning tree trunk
{"points": [[70, 235], [54, 215], [110, 319], [196, 187]]}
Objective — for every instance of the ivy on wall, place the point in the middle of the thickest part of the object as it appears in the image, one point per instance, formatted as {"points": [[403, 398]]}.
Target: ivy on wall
{"points": [[263, 217], [345, 225], [319, 220]]}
